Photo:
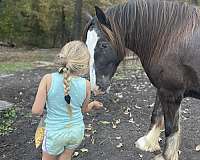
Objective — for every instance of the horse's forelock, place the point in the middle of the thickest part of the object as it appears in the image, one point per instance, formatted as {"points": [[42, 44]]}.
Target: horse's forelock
{"points": [[114, 39]]}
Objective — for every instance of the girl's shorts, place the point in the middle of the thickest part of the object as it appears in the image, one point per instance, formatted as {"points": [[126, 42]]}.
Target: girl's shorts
{"points": [[55, 142]]}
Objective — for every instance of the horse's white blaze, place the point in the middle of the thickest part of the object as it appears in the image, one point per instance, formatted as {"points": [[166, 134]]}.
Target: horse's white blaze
{"points": [[91, 42], [150, 141]]}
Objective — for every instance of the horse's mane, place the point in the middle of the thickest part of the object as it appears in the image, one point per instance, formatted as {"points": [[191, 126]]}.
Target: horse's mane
{"points": [[155, 23]]}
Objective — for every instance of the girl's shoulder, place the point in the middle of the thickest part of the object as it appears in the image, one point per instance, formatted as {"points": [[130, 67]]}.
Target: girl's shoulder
{"points": [[47, 78]]}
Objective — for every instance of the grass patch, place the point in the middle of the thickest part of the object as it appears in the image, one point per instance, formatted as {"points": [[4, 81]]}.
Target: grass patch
{"points": [[10, 67], [7, 118]]}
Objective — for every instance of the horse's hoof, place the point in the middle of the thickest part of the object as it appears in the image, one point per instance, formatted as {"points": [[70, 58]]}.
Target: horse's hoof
{"points": [[159, 157], [146, 144]]}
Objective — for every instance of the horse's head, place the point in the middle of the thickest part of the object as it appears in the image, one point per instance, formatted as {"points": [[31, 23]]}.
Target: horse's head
{"points": [[98, 37]]}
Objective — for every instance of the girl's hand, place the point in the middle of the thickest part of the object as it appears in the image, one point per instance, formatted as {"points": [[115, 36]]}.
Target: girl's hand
{"points": [[97, 104]]}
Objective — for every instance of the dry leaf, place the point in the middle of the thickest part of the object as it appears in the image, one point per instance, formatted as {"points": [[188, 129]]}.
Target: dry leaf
{"points": [[75, 154], [118, 121], [94, 131], [104, 122], [151, 105], [137, 107], [131, 120], [92, 140], [88, 128], [114, 125], [130, 115], [127, 111], [140, 155], [198, 148], [87, 135], [84, 150], [119, 95], [119, 145]]}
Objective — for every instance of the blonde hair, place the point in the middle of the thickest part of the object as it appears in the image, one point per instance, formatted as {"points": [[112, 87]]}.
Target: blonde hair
{"points": [[73, 59]]}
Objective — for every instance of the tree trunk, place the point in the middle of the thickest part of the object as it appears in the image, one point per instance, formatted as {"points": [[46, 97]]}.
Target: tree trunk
{"points": [[77, 19], [195, 2], [63, 29]]}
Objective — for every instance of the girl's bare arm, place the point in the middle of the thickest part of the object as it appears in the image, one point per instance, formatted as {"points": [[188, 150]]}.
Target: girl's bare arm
{"points": [[40, 99], [87, 107]]}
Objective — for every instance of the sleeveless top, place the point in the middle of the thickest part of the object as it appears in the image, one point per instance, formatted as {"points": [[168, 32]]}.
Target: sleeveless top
{"points": [[57, 116]]}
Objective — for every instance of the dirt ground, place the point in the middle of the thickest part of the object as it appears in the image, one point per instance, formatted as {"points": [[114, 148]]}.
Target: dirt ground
{"points": [[126, 118]]}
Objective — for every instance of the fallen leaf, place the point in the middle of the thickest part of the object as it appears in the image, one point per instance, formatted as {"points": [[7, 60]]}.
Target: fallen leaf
{"points": [[198, 148], [92, 140], [94, 131], [84, 150], [137, 107], [87, 135], [118, 121], [118, 138], [130, 115], [114, 125], [88, 128], [75, 154], [140, 155], [119, 145], [127, 111], [119, 95], [104, 122], [131, 120]]}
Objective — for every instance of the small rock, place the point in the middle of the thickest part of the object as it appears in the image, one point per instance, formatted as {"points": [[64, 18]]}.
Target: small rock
{"points": [[84, 150], [198, 148], [119, 145], [75, 154]]}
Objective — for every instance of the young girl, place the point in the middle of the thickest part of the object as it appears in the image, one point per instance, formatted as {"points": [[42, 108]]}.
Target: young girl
{"points": [[66, 95]]}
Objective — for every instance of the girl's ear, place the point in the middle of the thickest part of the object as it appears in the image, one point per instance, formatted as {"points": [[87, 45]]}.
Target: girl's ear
{"points": [[102, 17]]}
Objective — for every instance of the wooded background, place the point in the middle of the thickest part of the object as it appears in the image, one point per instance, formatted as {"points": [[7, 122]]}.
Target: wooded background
{"points": [[47, 23]]}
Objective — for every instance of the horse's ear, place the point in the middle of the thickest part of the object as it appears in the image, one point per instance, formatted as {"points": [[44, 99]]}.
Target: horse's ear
{"points": [[102, 17]]}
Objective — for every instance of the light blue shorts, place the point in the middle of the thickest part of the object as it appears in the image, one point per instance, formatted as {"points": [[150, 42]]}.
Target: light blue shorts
{"points": [[55, 142]]}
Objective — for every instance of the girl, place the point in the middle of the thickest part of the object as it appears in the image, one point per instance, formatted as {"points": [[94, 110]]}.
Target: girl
{"points": [[65, 94]]}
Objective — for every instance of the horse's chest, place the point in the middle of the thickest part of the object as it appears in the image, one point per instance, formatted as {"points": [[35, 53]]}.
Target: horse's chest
{"points": [[166, 74]]}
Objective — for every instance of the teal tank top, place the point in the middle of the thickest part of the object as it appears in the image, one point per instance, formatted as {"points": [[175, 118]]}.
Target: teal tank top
{"points": [[57, 116]]}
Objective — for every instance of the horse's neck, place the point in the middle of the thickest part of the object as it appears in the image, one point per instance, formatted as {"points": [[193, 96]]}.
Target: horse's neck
{"points": [[139, 34], [148, 32]]}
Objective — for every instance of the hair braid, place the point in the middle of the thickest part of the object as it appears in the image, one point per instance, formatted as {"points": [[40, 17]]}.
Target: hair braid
{"points": [[66, 80]]}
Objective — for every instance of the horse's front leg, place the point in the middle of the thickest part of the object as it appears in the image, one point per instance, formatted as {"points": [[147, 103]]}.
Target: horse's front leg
{"points": [[150, 142], [170, 103]]}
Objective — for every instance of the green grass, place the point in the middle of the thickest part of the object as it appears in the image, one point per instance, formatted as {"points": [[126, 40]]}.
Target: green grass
{"points": [[7, 119], [12, 67]]}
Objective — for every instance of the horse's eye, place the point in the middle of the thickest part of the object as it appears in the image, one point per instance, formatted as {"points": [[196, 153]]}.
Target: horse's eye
{"points": [[103, 45]]}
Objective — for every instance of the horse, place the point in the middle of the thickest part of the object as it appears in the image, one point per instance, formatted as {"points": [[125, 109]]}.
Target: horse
{"points": [[165, 36]]}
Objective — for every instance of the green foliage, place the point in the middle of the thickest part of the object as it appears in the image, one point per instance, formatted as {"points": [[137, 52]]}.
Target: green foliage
{"points": [[7, 119], [45, 23]]}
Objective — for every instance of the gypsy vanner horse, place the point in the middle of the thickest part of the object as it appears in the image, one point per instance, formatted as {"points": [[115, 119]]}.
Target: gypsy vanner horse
{"points": [[166, 37]]}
